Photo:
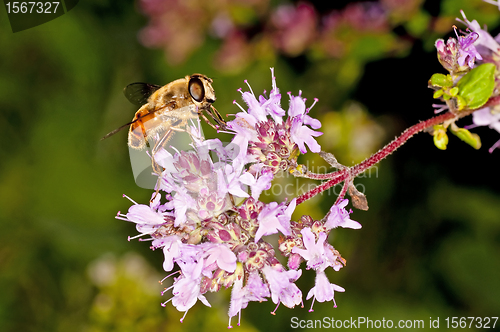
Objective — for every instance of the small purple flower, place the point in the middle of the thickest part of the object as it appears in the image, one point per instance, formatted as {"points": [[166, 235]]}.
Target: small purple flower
{"points": [[333, 257], [171, 250], [314, 253], [221, 255], [281, 284], [301, 134], [458, 55], [323, 290], [230, 180], [304, 135], [286, 216], [148, 219], [186, 288], [254, 290], [262, 183], [145, 215], [237, 302], [466, 49], [297, 105], [182, 201], [186, 292], [255, 108], [190, 261], [484, 38], [339, 216], [269, 221]]}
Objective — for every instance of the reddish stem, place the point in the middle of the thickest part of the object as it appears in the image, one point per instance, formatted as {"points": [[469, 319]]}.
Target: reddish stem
{"points": [[352, 172], [493, 101], [343, 192], [326, 176]]}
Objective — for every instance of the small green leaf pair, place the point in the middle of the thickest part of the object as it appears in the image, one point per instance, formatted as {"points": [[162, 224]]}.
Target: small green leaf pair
{"points": [[445, 83]]}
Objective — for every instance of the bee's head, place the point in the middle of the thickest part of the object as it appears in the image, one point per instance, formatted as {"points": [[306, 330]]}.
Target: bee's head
{"points": [[201, 90]]}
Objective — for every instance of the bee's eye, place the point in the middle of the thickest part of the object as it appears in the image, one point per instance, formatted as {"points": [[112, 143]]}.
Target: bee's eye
{"points": [[196, 89]]}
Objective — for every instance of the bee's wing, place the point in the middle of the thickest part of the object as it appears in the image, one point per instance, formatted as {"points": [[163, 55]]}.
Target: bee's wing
{"points": [[138, 93]]}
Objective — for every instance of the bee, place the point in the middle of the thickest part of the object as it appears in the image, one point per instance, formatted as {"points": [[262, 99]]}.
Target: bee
{"points": [[165, 110]]}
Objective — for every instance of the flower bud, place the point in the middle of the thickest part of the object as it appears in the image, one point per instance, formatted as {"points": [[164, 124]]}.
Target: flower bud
{"points": [[440, 137]]}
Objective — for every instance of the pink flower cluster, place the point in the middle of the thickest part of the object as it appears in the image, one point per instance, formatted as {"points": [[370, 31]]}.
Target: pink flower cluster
{"points": [[207, 218]]}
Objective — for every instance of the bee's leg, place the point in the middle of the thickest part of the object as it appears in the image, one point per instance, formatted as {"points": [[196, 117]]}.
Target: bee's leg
{"points": [[232, 199], [143, 129], [163, 140], [161, 143], [157, 169], [157, 189], [208, 121], [217, 117]]}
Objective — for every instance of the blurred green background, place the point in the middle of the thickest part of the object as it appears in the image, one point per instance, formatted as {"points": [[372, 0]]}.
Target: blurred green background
{"points": [[430, 243]]}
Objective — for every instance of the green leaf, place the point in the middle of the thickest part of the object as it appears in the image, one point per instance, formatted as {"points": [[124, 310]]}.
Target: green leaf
{"points": [[466, 136], [438, 94], [477, 85], [441, 80]]}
